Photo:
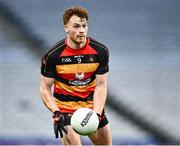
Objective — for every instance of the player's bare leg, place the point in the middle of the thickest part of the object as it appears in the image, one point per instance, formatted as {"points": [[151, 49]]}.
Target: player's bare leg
{"points": [[71, 138], [102, 136]]}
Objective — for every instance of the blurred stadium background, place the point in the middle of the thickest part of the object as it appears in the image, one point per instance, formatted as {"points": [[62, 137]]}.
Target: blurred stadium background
{"points": [[143, 37]]}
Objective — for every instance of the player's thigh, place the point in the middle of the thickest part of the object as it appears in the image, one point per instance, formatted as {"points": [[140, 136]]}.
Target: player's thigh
{"points": [[102, 136], [71, 138]]}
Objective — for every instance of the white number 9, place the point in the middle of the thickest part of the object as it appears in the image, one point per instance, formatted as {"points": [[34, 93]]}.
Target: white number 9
{"points": [[79, 60]]}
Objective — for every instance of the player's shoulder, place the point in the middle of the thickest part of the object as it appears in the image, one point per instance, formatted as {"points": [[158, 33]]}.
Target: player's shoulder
{"points": [[98, 45], [56, 48]]}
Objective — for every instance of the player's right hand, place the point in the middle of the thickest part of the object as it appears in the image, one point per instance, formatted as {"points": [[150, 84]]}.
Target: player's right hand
{"points": [[59, 124]]}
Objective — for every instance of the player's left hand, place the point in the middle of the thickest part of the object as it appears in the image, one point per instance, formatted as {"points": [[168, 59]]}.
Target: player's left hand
{"points": [[59, 124]]}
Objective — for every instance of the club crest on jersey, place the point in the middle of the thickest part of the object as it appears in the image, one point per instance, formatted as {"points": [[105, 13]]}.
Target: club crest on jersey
{"points": [[79, 76], [91, 59]]}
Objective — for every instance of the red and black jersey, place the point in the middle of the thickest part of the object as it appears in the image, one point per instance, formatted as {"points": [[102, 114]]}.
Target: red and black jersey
{"points": [[74, 72]]}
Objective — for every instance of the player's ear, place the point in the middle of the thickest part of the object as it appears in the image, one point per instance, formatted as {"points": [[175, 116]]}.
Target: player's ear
{"points": [[66, 28]]}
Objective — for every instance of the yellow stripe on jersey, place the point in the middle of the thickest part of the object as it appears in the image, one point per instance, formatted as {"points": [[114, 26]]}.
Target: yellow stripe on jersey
{"points": [[66, 106], [74, 68]]}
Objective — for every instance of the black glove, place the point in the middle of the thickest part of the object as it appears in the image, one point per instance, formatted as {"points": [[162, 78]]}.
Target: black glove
{"points": [[58, 124]]}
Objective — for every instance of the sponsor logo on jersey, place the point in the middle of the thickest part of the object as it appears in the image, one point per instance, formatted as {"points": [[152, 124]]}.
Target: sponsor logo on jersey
{"points": [[80, 83], [66, 60]]}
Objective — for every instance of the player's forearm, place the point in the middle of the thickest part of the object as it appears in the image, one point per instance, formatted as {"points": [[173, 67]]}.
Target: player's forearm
{"points": [[48, 100], [99, 100]]}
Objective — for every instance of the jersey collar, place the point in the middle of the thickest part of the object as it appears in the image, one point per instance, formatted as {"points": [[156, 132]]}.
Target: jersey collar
{"points": [[87, 42]]}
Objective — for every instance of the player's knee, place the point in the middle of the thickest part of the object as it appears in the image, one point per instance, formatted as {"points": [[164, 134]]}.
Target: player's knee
{"points": [[102, 136], [71, 139]]}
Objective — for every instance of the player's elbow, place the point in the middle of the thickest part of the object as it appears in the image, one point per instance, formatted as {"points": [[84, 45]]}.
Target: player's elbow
{"points": [[42, 91], [101, 84], [43, 94]]}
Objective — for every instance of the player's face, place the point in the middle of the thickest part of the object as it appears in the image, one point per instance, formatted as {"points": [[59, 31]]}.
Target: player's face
{"points": [[77, 29]]}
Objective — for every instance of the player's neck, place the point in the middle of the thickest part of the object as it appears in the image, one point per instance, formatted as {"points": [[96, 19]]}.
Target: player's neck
{"points": [[75, 45]]}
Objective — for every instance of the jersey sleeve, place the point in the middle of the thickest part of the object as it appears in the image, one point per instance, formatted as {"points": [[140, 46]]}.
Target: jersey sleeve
{"points": [[103, 62], [48, 66]]}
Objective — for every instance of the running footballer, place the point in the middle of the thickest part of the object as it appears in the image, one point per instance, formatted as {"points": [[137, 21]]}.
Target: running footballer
{"points": [[78, 68]]}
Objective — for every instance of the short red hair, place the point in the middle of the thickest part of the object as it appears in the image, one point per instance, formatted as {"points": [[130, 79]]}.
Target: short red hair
{"points": [[76, 10]]}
